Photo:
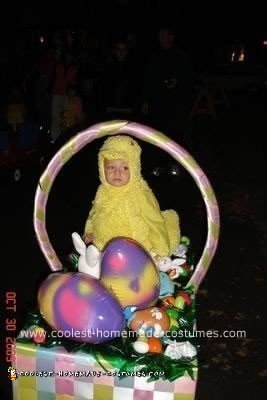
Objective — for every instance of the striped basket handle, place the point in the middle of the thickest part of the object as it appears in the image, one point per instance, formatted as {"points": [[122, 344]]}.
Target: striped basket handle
{"points": [[149, 135]]}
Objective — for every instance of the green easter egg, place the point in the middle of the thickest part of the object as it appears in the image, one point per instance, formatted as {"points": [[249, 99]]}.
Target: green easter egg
{"points": [[185, 240], [173, 314], [179, 302]]}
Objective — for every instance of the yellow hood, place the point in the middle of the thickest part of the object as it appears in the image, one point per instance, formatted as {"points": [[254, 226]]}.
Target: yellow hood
{"points": [[121, 148]]}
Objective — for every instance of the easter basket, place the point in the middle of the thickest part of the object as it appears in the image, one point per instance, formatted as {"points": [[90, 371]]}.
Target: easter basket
{"points": [[64, 370]]}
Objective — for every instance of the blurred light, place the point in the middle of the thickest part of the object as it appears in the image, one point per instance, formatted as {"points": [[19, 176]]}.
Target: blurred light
{"points": [[41, 128], [41, 39], [241, 56], [264, 43], [175, 170], [157, 171], [238, 56], [233, 56]]}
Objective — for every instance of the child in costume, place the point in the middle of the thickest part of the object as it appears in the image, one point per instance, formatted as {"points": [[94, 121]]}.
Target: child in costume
{"points": [[126, 206]]}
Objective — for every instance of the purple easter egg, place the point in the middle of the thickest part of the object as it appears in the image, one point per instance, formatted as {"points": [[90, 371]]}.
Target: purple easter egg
{"points": [[80, 308], [128, 270]]}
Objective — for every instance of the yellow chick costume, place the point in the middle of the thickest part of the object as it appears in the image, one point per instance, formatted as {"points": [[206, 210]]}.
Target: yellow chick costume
{"points": [[130, 210]]}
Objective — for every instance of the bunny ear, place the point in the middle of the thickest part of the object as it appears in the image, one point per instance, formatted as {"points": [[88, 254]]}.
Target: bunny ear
{"points": [[178, 261], [79, 244]]}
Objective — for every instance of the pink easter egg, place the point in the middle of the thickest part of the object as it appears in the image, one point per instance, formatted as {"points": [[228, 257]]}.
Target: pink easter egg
{"points": [[80, 307], [128, 270]]}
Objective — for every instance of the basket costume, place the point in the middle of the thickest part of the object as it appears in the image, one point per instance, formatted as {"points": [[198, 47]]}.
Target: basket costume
{"points": [[88, 373]]}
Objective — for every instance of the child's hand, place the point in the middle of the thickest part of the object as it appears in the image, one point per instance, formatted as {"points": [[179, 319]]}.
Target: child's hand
{"points": [[88, 238]]}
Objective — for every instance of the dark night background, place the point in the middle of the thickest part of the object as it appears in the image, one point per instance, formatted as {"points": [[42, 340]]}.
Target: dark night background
{"points": [[229, 149]]}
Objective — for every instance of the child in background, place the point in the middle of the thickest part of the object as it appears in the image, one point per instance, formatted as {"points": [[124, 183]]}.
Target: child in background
{"points": [[16, 110], [66, 72], [73, 112], [125, 205]]}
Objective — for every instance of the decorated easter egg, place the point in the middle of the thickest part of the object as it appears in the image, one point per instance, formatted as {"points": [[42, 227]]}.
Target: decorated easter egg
{"points": [[152, 321], [182, 299], [179, 302], [141, 347], [80, 307], [167, 301], [130, 273], [172, 313], [155, 345], [186, 297]]}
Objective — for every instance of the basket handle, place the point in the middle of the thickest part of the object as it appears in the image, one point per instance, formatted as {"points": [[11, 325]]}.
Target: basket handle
{"points": [[149, 135]]}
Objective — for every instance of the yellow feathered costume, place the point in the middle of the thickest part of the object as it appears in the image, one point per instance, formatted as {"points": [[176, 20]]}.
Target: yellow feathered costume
{"points": [[130, 210]]}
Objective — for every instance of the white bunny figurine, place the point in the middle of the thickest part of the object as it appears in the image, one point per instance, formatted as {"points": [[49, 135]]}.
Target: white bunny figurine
{"points": [[89, 260], [181, 251], [166, 264]]}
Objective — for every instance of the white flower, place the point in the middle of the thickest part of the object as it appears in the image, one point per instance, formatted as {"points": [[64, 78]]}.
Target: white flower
{"points": [[177, 350]]}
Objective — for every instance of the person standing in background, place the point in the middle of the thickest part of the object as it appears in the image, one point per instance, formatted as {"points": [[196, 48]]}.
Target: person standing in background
{"points": [[43, 71], [168, 86], [118, 83], [73, 114], [16, 109], [65, 75]]}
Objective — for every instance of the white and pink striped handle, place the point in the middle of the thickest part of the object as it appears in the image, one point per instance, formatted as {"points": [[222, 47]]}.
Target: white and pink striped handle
{"points": [[147, 134]]}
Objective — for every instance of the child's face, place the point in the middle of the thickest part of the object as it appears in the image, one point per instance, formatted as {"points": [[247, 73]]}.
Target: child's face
{"points": [[117, 172]]}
